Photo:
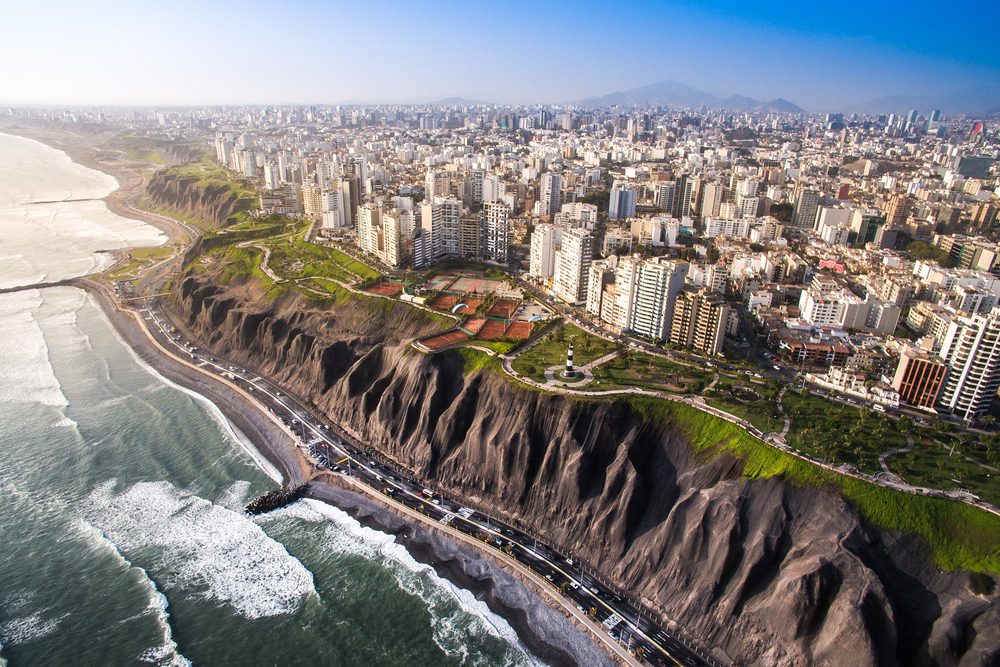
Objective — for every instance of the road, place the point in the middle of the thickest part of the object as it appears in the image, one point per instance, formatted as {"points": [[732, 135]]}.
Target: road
{"points": [[627, 628]]}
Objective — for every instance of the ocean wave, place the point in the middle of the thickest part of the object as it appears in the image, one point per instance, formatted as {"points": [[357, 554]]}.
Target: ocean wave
{"points": [[166, 653], [27, 628], [29, 376], [456, 612], [203, 548], [227, 427]]}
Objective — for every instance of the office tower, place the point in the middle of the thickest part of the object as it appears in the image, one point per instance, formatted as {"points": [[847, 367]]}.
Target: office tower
{"points": [[550, 191], [441, 218], [806, 207], [573, 265], [544, 241], [623, 199], [971, 349], [665, 194], [496, 232], [657, 283], [699, 321], [918, 378], [438, 184]]}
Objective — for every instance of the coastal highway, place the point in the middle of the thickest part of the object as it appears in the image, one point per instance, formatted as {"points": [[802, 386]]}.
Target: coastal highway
{"points": [[626, 624]]}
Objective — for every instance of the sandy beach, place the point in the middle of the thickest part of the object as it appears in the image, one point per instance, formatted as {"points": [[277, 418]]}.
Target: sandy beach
{"points": [[544, 626]]}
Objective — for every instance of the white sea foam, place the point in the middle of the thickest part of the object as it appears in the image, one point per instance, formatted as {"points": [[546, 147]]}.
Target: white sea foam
{"points": [[59, 239], [206, 549], [26, 374], [455, 611], [166, 653], [27, 628], [235, 497]]}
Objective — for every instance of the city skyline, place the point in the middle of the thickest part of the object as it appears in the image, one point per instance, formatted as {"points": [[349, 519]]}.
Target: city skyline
{"points": [[309, 52]]}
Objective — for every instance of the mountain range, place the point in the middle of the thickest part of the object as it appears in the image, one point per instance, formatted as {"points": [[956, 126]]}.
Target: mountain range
{"points": [[673, 93]]}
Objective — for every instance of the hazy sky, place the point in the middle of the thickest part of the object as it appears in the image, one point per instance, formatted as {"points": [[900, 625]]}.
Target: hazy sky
{"points": [[819, 55]]}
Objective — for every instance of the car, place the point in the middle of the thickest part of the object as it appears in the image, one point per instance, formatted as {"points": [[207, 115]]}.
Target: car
{"points": [[776, 367], [574, 585]]}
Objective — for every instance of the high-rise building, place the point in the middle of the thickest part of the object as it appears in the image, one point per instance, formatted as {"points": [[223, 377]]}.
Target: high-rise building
{"points": [[545, 239], [712, 196], [352, 198], [657, 284], [312, 201], [438, 184], [550, 193], [806, 208], [573, 265], [470, 234], [665, 194], [686, 185], [496, 232], [333, 209], [392, 245], [623, 200], [369, 228], [918, 378], [699, 321], [441, 218], [897, 210], [971, 349]]}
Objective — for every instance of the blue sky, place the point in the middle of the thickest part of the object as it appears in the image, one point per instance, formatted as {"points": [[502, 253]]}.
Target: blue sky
{"points": [[819, 55]]}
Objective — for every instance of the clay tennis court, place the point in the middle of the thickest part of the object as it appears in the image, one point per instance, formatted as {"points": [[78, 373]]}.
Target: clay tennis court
{"points": [[472, 303], [385, 288], [492, 330], [478, 285], [445, 339], [474, 325], [504, 308], [520, 330], [444, 301]]}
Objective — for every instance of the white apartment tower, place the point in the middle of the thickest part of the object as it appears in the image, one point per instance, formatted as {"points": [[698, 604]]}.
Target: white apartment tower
{"points": [[496, 231], [550, 193], [656, 287], [971, 349], [442, 218], [623, 200], [544, 241], [573, 265]]}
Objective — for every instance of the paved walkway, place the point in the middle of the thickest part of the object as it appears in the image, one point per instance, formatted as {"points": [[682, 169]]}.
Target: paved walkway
{"points": [[552, 379]]}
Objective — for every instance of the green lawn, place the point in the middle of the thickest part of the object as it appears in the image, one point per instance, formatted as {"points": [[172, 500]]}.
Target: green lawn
{"points": [[747, 400], [552, 351], [638, 369], [844, 434]]}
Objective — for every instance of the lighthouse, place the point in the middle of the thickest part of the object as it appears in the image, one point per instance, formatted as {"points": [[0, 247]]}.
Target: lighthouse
{"points": [[569, 372]]}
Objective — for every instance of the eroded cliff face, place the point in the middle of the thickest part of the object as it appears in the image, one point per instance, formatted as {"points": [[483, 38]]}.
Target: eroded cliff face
{"points": [[212, 203], [766, 572]]}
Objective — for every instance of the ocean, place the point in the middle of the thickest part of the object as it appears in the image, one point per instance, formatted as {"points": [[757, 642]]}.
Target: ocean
{"points": [[122, 536]]}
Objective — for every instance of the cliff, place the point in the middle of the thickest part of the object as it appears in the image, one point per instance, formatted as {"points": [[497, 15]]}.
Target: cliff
{"points": [[767, 571], [199, 191]]}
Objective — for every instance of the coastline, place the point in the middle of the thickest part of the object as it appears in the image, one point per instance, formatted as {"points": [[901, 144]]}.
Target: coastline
{"points": [[546, 629], [512, 596]]}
